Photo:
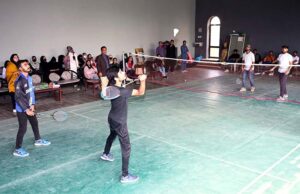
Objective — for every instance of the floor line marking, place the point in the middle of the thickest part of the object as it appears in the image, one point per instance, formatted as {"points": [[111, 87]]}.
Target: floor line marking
{"points": [[42, 172], [269, 169]]}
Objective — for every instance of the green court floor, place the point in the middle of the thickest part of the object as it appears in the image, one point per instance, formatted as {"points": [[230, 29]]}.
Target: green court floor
{"points": [[198, 137]]}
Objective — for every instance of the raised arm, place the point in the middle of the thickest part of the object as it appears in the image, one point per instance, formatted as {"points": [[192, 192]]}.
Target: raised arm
{"points": [[142, 88]]}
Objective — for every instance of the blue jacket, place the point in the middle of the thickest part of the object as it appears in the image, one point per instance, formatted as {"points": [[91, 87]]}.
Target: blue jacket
{"points": [[24, 95]]}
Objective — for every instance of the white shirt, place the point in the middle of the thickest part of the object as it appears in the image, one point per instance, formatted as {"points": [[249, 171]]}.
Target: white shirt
{"points": [[295, 60], [248, 59], [284, 62]]}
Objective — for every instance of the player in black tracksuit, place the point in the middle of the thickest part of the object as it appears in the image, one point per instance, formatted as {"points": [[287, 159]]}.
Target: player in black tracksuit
{"points": [[117, 119], [25, 102]]}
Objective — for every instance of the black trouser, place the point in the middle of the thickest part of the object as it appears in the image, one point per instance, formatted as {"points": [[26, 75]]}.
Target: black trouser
{"points": [[22, 119], [13, 101], [282, 82], [120, 130], [170, 65]]}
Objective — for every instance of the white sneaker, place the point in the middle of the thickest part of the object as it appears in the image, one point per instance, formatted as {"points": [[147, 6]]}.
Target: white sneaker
{"points": [[226, 71], [252, 89], [14, 112], [243, 89], [280, 99], [285, 96]]}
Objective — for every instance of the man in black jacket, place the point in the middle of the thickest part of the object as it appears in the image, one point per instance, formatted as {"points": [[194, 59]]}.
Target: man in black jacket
{"points": [[25, 101], [171, 53], [102, 62]]}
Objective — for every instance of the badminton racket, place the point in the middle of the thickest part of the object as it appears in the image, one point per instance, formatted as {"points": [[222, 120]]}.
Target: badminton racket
{"points": [[56, 115]]}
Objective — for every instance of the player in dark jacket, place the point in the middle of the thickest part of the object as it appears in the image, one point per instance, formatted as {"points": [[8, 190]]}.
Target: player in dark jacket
{"points": [[25, 101]]}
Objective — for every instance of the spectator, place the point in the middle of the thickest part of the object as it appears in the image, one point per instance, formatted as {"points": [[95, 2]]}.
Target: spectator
{"points": [[184, 55], [12, 74], [60, 62], [3, 76], [161, 50], [81, 61], [44, 68], [71, 61], [234, 57], [257, 56], [115, 62], [171, 53], [90, 71], [129, 65], [160, 66], [102, 62], [53, 65], [270, 58], [35, 64]]}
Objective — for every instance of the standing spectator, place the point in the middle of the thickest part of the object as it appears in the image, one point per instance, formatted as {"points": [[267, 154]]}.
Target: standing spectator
{"points": [[285, 61], [102, 62], [161, 50], [248, 69], [71, 61], [171, 53], [129, 65], [270, 58], [12, 74], [184, 55]]}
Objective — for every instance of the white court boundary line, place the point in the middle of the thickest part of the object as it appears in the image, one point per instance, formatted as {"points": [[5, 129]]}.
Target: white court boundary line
{"points": [[212, 157], [42, 172], [268, 169]]}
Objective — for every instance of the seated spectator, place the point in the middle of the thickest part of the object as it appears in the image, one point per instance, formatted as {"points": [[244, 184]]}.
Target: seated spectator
{"points": [[35, 65], [270, 58], [44, 69], [3, 74], [257, 56], [60, 62], [129, 65], [234, 57], [53, 65], [81, 61], [115, 62], [159, 65], [90, 71]]}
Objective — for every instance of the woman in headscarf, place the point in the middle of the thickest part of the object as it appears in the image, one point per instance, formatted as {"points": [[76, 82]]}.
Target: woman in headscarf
{"points": [[12, 74], [44, 68], [71, 60]]}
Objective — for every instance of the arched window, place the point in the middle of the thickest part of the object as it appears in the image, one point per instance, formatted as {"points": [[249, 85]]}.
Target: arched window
{"points": [[213, 37]]}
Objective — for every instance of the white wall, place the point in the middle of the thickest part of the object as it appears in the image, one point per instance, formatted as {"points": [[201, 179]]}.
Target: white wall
{"points": [[46, 27]]}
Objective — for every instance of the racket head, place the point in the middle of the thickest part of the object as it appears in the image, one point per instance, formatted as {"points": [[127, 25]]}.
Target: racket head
{"points": [[60, 116], [110, 93]]}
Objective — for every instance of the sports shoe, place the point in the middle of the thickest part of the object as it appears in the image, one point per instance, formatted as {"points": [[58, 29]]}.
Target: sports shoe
{"points": [[226, 71], [20, 152], [280, 99], [129, 179], [252, 89], [243, 89], [107, 157], [285, 96], [14, 112], [42, 142]]}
